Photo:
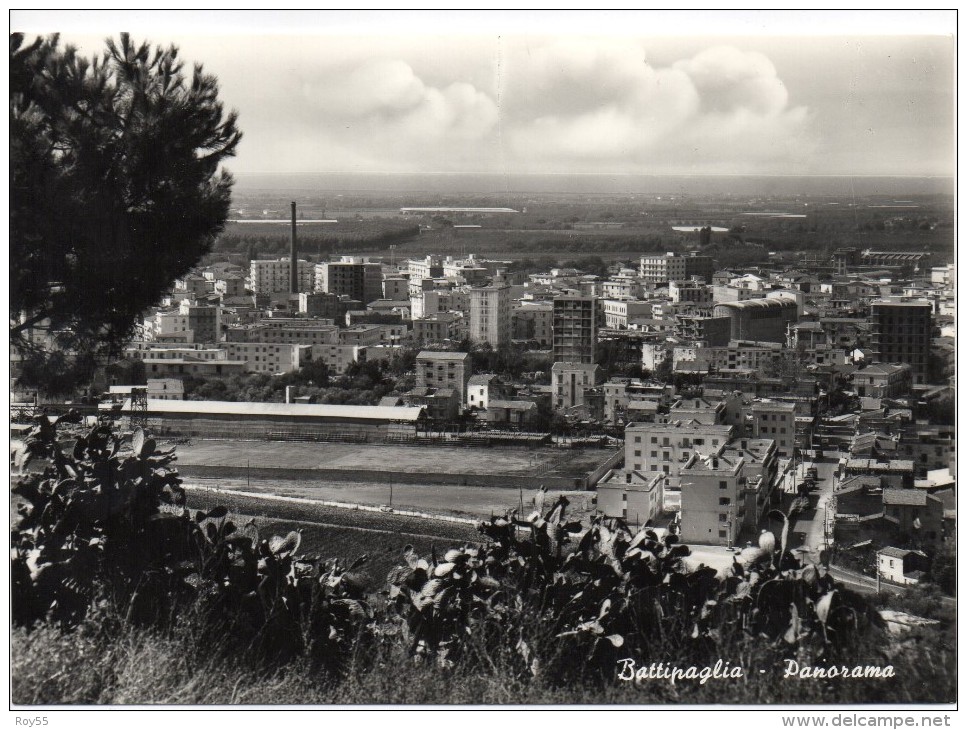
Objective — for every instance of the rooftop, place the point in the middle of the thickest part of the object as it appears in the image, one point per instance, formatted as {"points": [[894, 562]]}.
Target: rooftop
{"points": [[228, 408], [895, 552], [768, 303], [442, 355], [910, 497]]}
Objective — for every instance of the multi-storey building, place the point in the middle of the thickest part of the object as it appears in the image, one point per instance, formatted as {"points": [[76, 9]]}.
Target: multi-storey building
{"points": [[284, 331], [351, 276], [699, 267], [761, 320], [665, 447], [635, 497], [396, 288], [272, 276], [713, 500], [443, 370], [620, 393], [202, 321], [734, 356], [690, 291], [777, 421], [429, 268], [533, 321], [618, 313], [883, 381], [662, 268], [621, 287], [338, 357], [704, 331], [901, 332], [570, 383], [321, 304], [438, 327], [490, 315], [575, 329], [269, 359]]}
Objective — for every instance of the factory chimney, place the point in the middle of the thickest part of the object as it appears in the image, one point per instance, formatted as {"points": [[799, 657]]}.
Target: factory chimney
{"points": [[293, 258]]}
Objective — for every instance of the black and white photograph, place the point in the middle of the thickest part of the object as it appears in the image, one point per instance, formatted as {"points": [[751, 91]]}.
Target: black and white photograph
{"points": [[484, 360]]}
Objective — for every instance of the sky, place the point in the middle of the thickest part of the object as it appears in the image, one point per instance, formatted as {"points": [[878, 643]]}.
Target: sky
{"points": [[756, 94]]}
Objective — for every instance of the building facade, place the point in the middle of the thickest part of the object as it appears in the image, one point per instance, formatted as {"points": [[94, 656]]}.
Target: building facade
{"points": [[901, 333], [575, 329], [490, 309]]}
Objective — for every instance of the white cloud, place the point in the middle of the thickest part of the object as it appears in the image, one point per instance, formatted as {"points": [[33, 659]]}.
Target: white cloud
{"points": [[612, 109]]}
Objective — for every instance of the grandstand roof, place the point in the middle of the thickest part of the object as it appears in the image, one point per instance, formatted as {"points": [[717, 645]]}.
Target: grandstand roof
{"points": [[229, 408]]}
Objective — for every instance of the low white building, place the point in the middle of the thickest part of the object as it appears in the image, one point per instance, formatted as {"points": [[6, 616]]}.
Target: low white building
{"points": [[904, 567]]}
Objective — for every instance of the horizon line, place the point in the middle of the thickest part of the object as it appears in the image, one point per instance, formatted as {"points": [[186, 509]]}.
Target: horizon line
{"points": [[603, 174]]}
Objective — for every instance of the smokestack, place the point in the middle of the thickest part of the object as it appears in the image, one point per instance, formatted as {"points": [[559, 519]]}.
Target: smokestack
{"points": [[293, 258]]}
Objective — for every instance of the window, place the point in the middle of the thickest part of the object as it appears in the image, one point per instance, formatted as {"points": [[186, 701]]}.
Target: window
{"points": [[724, 501], [723, 485], [723, 517], [722, 534], [654, 439], [637, 452], [637, 439]]}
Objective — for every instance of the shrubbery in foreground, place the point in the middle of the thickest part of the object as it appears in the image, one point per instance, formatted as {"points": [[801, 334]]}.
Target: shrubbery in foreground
{"points": [[107, 552]]}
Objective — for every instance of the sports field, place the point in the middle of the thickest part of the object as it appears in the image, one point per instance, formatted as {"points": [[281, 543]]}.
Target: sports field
{"points": [[547, 461]]}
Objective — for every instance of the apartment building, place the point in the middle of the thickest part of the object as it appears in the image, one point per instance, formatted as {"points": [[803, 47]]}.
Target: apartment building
{"points": [[490, 308], [634, 497], [533, 321], [621, 287], [570, 383], [777, 421], [438, 327], [352, 277], [338, 357], [666, 447], [272, 276], [883, 381], [618, 313], [900, 333], [443, 370], [321, 304], [284, 331], [269, 359], [662, 268], [760, 320], [713, 500], [575, 329]]}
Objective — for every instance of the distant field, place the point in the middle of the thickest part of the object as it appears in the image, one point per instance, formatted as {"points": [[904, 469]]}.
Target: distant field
{"points": [[550, 462]]}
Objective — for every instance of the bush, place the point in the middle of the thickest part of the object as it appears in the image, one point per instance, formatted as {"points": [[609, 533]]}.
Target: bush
{"points": [[136, 598]]}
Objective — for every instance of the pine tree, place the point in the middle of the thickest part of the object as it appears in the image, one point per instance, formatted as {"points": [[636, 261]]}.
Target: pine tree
{"points": [[115, 191]]}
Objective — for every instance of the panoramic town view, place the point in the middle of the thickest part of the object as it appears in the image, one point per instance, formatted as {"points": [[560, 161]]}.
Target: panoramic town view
{"points": [[481, 436]]}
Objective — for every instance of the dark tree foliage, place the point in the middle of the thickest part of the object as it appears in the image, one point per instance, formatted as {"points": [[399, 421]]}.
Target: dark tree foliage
{"points": [[115, 191]]}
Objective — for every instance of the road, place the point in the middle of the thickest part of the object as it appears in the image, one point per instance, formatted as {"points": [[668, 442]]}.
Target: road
{"points": [[808, 528], [454, 499]]}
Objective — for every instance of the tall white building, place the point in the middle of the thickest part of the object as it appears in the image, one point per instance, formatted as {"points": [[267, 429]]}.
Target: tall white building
{"points": [[490, 315], [659, 268]]}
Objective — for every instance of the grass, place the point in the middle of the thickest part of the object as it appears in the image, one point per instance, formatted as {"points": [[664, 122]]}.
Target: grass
{"points": [[139, 667]]}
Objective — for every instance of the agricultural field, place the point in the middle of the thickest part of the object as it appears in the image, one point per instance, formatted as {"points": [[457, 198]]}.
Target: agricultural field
{"points": [[552, 462]]}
